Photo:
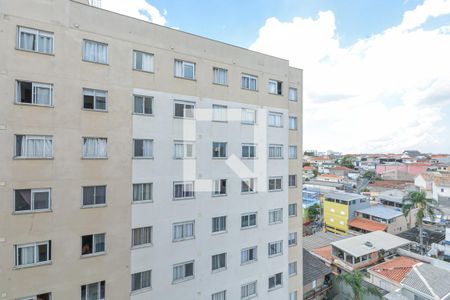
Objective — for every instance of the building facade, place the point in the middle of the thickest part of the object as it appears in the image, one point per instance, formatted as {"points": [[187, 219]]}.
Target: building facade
{"points": [[143, 162]]}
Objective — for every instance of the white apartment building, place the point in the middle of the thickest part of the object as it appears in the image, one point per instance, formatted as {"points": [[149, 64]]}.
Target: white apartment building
{"points": [[142, 162]]}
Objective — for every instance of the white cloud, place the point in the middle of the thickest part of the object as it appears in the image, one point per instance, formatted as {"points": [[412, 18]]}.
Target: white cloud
{"points": [[139, 9], [383, 93]]}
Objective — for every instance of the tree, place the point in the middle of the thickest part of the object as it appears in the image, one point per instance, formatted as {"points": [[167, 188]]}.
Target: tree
{"points": [[355, 281], [346, 161], [425, 208], [369, 175], [313, 212]]}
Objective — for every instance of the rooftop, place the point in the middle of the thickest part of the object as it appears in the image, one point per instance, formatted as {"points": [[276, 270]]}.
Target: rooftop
{"points": [[380, 211], [313, 268], [324, 183], [341, 168], [395, 269], [330, 176], [321, 239], [429, 280], [391, 184], [370, 242], [442, 181], [324, 252], [430, 236], [344, 196], [393, 195], [367, 225]]}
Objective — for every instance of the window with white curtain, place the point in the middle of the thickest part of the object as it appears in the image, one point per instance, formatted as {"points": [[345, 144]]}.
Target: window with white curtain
{"points": [[183, 230], [95, 99], [183, 190], [275, 151], [95, 52], [248, 116], [293, 123], [275, 119], [292, 94], [293, 295], [275, 87], [184, 109], [292, 152], [44, 296], [220, 76], [248, 220], [219, 224], [292, 180], [275, 216], [183, 271], [142, 61], [143, 105], [275, 281], [183, 150], [292, 268], [93, 291], [248, 185], [34, 146], [142, 148], [33, 253], [94, 195], [93, 244], [248, 255], [142, 192], [248, 82], [292, 240], [34, 93], [32, 200], [248, 151], [184, 69], [94, 147], [248, 290], [219, 187], [219, 113], [219, 150], [218, 262], [275, 184], [35, 40], [219, 295], [275, 248], [141, 280], [141, 236], [292, 209]]}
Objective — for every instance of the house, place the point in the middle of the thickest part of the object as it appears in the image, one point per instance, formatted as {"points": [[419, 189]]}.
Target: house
{"points": [[441, 187], [310, 197], [319, 160], [308, 172], [393, 198], [316, 277], [323, 186], [330, 178], [339, 209], [424, 182], [340, 171], [387, 219], [401, 171], [441, 158], [325, 167], [379, 186], [361, 251], [442, 250]]}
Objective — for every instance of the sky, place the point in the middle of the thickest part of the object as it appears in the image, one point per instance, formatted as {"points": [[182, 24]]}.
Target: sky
{"points": [[376, 72]]}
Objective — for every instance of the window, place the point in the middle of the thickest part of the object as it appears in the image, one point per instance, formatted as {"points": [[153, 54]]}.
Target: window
{"points": [[292, 94], [32, 200], [142, 61], [183, 230], [248, 185], [33, 254], [292, 209], [219, 295], [142, 192], [292, 180], [219, 150], [183, 271], [92, 244], [95, 52], [184, 69], [248, 151], [248, 255], [275, 151], [293, 123], [218, 262], [275, 216], [292, 152], [275, 281], [219, 187], [275, 87], [219, 113], [95, 99], [220, 77], [248, 290], [34, 146], [219, 224], [34, 93], [184, 109], [46, 296], [292, 240], [275, 184], [275, 119], [94, 195], [35, 40], [183, 150], [143, 105], [141, 280], [293, 295], [248, 116], [293, 268], [93, 291], [275, 248], [248, 82], [142, 148], [94, 147], [183, 190], [142, 236], [248, 220]]}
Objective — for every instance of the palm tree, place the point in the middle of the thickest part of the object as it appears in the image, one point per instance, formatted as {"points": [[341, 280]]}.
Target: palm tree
{"points": [[355, 281], [426, 208]]}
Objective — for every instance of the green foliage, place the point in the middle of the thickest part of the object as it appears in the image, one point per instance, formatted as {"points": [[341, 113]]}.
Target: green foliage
{"points": [[313, 212], [308, 153], [346, 161], [355, 281], [369, 174]]}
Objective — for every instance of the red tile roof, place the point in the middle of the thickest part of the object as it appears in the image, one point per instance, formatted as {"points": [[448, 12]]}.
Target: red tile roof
{"points": [[395, 269], [308, 168], [330, 176], [324, 252], [368, 225], [340, 168]]}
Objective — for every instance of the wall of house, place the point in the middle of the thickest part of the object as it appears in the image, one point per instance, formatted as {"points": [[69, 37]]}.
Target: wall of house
{"points": [[382, 282], [440, 191]]}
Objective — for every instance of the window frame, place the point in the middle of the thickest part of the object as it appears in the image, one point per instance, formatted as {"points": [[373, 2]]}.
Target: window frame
{"points": [[94, 61], [276, 286], [295, 240], [184, 103], [141, 184], [141, 245], [291, 274], [296, 94], [152, 143], [184, 144], [280, 243], [295, 120], [251, 183], [255, 255], [142, 288], [248, 220], [275, 189], [34, 84], [35, 246], [249, 77], [97, 156], [185, 278], [34, 137], [95, 196], [143, 105], [99, 289], [34, 297], [289, 152], [94, 95], [249, 145], [214, 190], [152, 61], [37, 33], [32, 200], [222, 221], [295, 180], [219, 144], [277, 114], [278, 212], [280, 146], [218, 69], [223, 109], [278, 87], [184, 237], [183, 63], [289, 210], [94, 245], [244, 121], [222, 295], [184, 190], [246, 285], [222, 268]]}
